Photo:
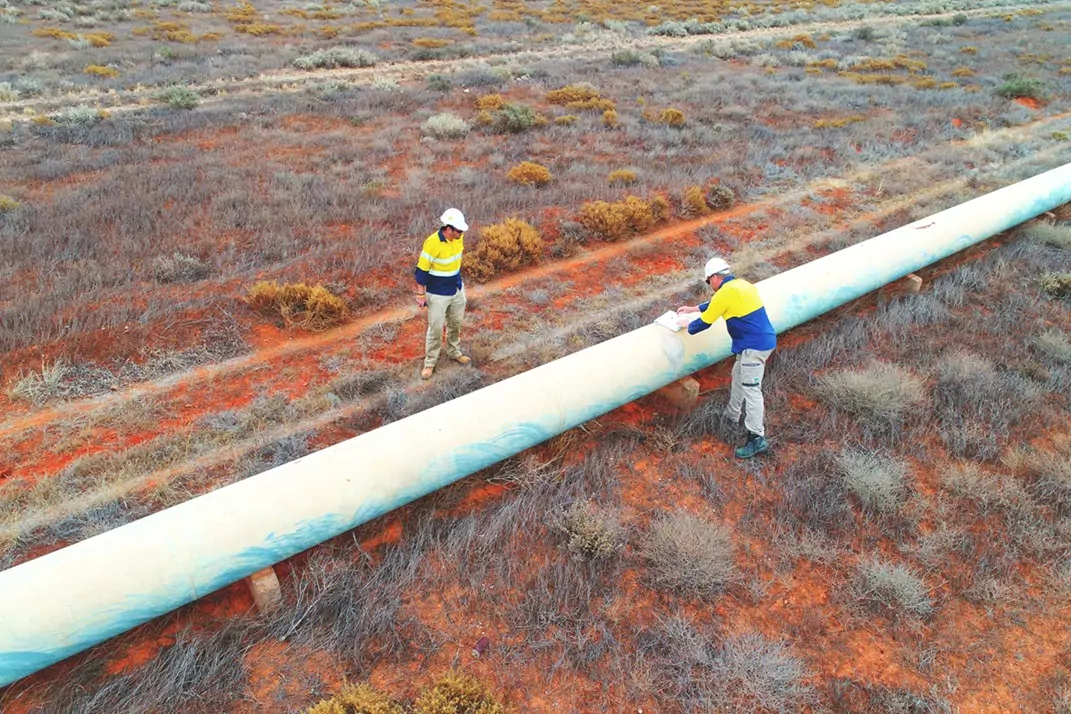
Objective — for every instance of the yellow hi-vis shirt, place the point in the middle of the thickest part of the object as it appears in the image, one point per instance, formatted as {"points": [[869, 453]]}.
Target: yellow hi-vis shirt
{"points": [[439, 265]]}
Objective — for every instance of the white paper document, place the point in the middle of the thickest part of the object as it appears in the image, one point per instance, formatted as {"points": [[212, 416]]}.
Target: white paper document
{"points": [[672, 321]]}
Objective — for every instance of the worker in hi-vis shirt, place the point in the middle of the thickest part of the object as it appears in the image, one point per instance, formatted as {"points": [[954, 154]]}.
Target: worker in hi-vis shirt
{"points": [[738, 303], [441, 290]]}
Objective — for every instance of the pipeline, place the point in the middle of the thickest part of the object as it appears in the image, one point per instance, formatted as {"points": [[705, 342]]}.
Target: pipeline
{"points": [[67, 601]]}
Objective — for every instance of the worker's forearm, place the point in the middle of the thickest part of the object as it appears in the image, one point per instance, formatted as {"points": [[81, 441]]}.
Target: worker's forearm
{"points": [[697, 325]]}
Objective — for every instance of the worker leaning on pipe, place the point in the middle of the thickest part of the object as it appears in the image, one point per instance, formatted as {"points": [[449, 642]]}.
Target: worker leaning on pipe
{"points": [[441, 290], [754, 339]]}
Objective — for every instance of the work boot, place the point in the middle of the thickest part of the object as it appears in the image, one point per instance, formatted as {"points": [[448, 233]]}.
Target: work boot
{"points": [[755, 445], [426, 372], [462, 359]]}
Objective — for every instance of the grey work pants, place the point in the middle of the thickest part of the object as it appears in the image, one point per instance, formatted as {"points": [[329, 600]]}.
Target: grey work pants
{"points": [[746, 392], [448, 309]]}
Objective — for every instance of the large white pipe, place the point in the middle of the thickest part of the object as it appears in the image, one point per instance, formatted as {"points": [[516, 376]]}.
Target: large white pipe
{"points": [[69, 600]]}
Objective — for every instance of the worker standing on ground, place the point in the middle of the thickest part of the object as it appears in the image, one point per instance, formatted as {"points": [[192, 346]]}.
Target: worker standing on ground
{"points": [[441, 290], [738, 302]]}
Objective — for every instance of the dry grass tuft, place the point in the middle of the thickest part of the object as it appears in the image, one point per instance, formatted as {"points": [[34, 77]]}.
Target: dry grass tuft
{"points": [[691, 554], [504, 247], [880, 391], [878, 481], [893, 588], [622, 177], [300, 305], [1057, 285]]}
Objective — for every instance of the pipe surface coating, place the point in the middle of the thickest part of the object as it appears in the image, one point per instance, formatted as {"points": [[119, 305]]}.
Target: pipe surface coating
{"points": [[69, 600]]}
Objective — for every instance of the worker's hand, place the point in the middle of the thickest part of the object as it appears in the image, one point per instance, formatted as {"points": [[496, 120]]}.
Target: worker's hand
{"points": [[422, 300], [687, 309]]}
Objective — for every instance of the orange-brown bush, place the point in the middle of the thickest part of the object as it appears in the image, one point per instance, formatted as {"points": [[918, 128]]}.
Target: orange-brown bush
{"points": [[565, 120], [614, 221], [529, 173], [609, 119], [671, 117], [580, 96], [490, 102], [457, 693], [622, 177], [101, 70], [300, 305], [693, 202], [431, 43], [504, 247]]}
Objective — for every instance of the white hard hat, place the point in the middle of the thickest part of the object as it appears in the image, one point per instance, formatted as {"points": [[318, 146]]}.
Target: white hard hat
{"points": [[455, 219], [715, 266]]}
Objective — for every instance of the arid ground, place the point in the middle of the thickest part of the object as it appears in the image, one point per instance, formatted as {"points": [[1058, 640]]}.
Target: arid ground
{"points": [[209, 218]]}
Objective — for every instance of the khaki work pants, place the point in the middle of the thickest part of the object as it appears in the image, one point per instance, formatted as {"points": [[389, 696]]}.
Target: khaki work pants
{"points": [[448, 310], [746, 391]]}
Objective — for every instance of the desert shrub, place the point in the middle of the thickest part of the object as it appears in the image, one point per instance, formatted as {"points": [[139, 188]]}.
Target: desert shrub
{"points": [[625, 58], [1054, 345], [439, 83], [970, 388], [1049, 475], [456, 693], [80, 114], [386, 83], [504, 247], [8, 93], [565, 120], [610, 119], [580, 96], [986, 489], [614, 221], [8, 204], [300, 305], [101, 71], [672, 117], [593, 531], [1016, 86], [882, 392], [490, 102], [1057, 285], [336, 57], [529, 173], [178, 268], [693, 202], [688, 553], [40, 387], [178, 97], [357, 699], [720, 197], [695, 671], [892, 588], [513, 118], [622, 177], [876, 480], [445, 126]]}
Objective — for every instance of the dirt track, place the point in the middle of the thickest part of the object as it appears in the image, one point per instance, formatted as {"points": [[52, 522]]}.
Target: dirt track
{"points": [[282, 81]]}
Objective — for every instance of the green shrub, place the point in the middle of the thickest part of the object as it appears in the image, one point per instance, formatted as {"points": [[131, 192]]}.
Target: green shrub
{"points": [[1057, 285], [892, 588], [1057, 235], [439, 83], [688, 553], [456, 693], [8, 93], [513, 118], [720, 197], [336, 57], [445, 126], [1016, 86], [178, 268], [878, 481], [593, 531], [178, 97], [80, 114], [8, 204]]}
